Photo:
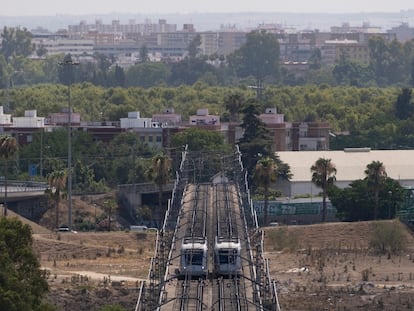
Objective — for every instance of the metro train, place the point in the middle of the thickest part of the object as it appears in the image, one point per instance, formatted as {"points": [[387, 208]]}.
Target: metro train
{"points": [[227, 256], [194, 254], [193, 261]]}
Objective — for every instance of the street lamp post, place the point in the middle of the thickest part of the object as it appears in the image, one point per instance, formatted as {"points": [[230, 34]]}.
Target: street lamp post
{"points": [[69, 159], [69, 63]]}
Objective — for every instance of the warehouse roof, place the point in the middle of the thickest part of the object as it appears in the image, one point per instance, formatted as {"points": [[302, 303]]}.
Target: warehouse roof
{"points": [[351, 163]]}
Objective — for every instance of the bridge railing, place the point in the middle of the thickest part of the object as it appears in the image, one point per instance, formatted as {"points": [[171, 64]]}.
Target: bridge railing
{"points": [[22, 186]]}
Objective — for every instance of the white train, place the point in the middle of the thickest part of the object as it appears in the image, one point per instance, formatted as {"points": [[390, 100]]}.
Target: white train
{"points": [[193, 260], [227, 256]]}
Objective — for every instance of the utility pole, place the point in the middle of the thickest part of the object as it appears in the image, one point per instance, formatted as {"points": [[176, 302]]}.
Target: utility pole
{"points": [[69, 63]]}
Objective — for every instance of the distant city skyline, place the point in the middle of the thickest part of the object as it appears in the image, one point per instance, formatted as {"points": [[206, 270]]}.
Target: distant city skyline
{"points": [[77, 7]]}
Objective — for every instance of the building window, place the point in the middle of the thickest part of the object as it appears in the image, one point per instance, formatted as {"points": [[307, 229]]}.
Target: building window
{"points": [[142, 138], [158, 139], [150, 139]]}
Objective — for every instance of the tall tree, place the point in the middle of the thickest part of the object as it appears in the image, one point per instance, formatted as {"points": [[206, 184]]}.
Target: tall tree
{"points": [[412, 72], [57, 185], [66, 71], [143, 54], [256, 141], [8, 148], [265, 173], [258, 57], [119, 76], [194, 47], [189, 70], [160, 174], [16, 42], [323, 175], [22, 284], [404, 108], [147, 74], [376, 176], [234, 103]]}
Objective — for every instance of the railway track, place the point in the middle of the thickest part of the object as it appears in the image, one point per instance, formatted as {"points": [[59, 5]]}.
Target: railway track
{"points": [[191, 295], [211, 254]]}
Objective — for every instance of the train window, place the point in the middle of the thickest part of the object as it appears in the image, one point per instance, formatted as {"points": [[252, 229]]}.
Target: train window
{"points": [[194, 258], [227, 257]]}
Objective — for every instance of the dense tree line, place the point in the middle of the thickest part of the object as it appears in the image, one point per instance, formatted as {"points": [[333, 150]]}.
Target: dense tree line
{"points": [[380, 118]]}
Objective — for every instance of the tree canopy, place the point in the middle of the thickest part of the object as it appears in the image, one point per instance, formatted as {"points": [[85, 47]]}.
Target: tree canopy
{"points": [[374, 197], [199, 140], [258, 57], [22, 284]]}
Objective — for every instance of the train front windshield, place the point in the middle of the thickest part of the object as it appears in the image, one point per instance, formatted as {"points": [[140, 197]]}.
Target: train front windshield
{"points": [[194, 257], [227, 256]]}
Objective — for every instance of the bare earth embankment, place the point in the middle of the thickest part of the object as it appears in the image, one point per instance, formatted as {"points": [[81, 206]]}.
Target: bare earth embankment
{"points": [[318, 267], [332, 267]]}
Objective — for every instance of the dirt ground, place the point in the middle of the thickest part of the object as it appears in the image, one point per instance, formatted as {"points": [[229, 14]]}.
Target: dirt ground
{"points": [[317, 267], [331, 267]]}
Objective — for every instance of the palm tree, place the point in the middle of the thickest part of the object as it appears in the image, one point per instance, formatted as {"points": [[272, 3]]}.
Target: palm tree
{"points": [[265, 173], [323, 175], [376, 177], [57, 183], [8, 148], [160, 174], [233, 104]]}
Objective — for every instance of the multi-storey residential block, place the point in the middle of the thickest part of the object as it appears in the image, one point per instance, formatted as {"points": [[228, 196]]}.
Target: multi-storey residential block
{"points": [[351, 50], [280, 130], [310, 136], [58, 45], [347, 28], [117, 28], [403, 32], [288, 136], [230, 41]]}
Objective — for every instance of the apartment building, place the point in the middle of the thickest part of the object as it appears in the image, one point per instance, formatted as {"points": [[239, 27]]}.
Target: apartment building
{"points": [[402, 32], [333, 50], [58, 45], [76, 31]]}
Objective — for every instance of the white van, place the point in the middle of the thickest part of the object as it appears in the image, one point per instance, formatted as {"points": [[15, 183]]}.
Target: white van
{"points": [[138, 228]]}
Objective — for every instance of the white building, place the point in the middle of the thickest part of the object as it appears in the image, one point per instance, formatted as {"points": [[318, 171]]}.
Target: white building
{"points": [[55, 46], [5, 119], [350, 164], [135, 121], [30, 120]]}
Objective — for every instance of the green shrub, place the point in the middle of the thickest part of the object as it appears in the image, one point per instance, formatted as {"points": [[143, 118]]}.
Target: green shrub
{"points": [[282, 239], [388, 237]]}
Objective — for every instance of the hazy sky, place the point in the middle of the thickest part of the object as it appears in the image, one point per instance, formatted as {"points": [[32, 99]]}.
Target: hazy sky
{"points": [[80, 7]]}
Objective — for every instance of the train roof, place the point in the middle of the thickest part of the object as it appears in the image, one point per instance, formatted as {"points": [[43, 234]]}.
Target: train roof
{"points": [[194, 243], [231, 243], [194, 246]]}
